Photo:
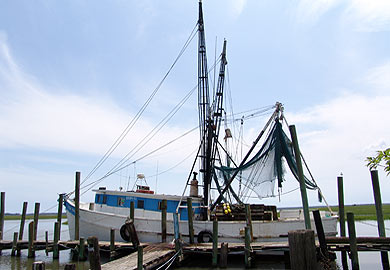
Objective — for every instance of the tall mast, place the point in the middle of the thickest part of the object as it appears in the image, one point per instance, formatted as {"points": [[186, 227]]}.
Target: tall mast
{"points": [[204, 107]]}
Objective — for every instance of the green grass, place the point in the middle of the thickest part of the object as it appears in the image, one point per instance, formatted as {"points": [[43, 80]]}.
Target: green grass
{"points": [[17, 217], [361, 211]]}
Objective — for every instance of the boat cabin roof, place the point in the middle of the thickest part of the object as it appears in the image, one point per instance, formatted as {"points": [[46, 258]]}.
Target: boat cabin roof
{"points": [[145, 195]]}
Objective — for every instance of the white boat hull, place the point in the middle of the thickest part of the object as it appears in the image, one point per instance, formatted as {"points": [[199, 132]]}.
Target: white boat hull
{"points": [[99, 224]]}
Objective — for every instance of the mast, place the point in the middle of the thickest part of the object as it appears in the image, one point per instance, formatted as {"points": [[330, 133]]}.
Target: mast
{"points": [[204, 107]]}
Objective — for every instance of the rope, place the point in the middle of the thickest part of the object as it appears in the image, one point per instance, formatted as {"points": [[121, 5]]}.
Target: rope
{"points": [[170, 261]]}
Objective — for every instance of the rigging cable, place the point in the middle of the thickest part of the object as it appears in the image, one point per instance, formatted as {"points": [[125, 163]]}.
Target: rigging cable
{"points": [[92, 184], [139, 113]]}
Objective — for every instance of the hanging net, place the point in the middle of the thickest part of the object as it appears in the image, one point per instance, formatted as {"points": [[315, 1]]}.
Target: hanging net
{"points": [[264, 169]]}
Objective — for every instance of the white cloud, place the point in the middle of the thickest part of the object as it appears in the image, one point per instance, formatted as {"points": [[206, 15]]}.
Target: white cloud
{"points": [[367, 15], [238, 6], [379, 78], [310, 11], [338, 135], [31, 116]]}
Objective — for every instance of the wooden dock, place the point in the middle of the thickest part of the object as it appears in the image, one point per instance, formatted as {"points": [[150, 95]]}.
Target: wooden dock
{"points": [[153, 256]]}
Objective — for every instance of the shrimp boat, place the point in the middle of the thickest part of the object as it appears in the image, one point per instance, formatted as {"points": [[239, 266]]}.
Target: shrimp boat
{"points": [[259, 171]]}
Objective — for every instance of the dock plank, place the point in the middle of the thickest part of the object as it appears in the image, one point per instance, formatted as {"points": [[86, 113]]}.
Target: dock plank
{"points": [[153, 256]]}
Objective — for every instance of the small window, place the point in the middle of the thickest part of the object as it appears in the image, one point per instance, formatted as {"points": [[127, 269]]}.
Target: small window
{"points": [[121, 201], [140, 204], [98, 198], [104, 199]]}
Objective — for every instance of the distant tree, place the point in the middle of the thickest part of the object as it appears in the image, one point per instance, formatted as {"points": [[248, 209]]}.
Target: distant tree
{"points": [[379, 159]]}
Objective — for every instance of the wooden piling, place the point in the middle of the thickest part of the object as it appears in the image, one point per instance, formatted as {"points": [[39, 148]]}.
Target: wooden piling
{"points": [[379, 214], [133, 233], [22, 223], [248, 259], [93, 253], [340, 188], [223, 255], [112, 243], [352, 241], [302, 250], [2, 215], [302, 184], [214, 261], [77, 207], [31, 251], [36, 218], [320, 234], [47, 243], [140, 264], [14, 244], [132, 209], [38, 265], [248, 217], [82, 256], [190, 220], [59, 213], [163, 221], [56, 253]]}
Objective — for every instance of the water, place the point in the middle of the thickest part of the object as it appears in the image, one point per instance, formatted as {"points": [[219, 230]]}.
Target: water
{"points": [[21, 263], [367, 260]]}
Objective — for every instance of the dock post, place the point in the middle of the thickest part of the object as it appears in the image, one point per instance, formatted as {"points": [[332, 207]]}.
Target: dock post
{"points": [[248, 217], [301, 176], [82, 256], [132, 210], [140, 263], [321, 234], [21, 228], [112, 243], [379, 215], [47, 242], [302, 249], [56, 253], [93, 253], [31, 251], [163, 221], [2, 215], [215, 243], [352, 241], [14, 244], [223, 255], [36, 218], [38, 265], [190, 220], [340, 188], [248, 259], [77, 207], [59, 213]]}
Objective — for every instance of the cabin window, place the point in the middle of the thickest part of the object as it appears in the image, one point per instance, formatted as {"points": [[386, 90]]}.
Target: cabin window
{"points": [[140, 204], [104, 199], [121, 201], [98, 198]]}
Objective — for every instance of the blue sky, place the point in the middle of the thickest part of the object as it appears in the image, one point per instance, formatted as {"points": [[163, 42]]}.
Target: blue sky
{"points": [[73, 74]]}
